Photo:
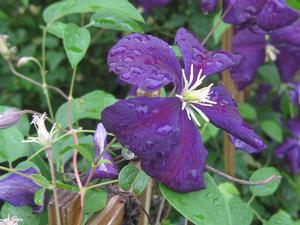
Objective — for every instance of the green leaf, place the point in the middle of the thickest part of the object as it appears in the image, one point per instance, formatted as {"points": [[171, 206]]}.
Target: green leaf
{"points": [[11, 145], [76, 43], [262, 174], [27, 164], [24, 213], [88, 106], [94, 200], [25, 3], [127, 177], [247, 111], [140, 183], [205, 207], [221, 28], [39, 197], [60, 9], [210, 132], [41, 180], [241, 213], [281, 218], [228, 190], [83, 149], [294, 4], [177, 51], [272, 128], [114, 21], [57, 29], [265, 71]]}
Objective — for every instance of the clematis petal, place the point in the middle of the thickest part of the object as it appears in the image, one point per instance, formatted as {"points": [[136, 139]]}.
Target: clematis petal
{"points": [[238, 144], [19, 191], [106, 170], [288, 62], [243, 11], [225, 115], [144, 61], [208, 6], [293, 157], [287, 35], [295, 94], [276, 14], [150, 4], [294, 126], [282, 149], [251, 47], [210, 62], [160, 134]]}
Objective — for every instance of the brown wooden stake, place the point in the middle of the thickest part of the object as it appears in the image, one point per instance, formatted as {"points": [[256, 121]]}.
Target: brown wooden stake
{"points": [[145, 199], [69, 207], [112, 214], [238, 96]]}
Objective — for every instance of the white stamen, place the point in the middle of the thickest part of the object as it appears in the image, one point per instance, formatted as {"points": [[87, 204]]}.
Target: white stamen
{"points": [[10, 221], [191, 97], [44, 137], [271, 53]]}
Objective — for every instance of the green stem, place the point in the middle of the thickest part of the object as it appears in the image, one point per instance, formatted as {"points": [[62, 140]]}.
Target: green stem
{"points": [[72, 83], [251, 199], [101, 184], [43, 73], [263, 221], [11, 170]]}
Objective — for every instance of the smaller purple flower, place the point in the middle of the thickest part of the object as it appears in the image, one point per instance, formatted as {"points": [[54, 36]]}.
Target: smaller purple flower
{"points": [[208, 6], [148, 5], [19, 191], [10, 118], [106, 170], [281, 46], [295, 94], [290, 149], [265, 14]]}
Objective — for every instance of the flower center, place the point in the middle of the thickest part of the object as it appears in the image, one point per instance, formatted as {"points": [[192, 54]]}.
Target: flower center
{"points": [[191, 95], [271, 53]]}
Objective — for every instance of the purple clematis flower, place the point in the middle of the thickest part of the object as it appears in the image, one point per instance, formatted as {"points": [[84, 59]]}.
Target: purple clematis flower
{"points": [[281, 46], [19, 191], [208, 6], [148, 5], [162, 132], [290, 149], [295, 94], [105, 170], [265, 14]]}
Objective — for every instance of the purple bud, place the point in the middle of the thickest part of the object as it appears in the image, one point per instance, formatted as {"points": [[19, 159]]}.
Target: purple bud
{"points": [[9, 118], [208, 6]]}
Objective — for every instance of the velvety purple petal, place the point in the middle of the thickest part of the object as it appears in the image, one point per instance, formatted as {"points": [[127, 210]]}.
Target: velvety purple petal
{"points": [[105, 170], [287, 35], [165, 140], [238, 144], [19, 191], [243, 11], [288, 62], [210, 62], [225, 115], [276, 14], [144, 61], [251, 47], [149, 4], [293, 157], [208, 6], [294, 126], [282, 149], [295, 94]]}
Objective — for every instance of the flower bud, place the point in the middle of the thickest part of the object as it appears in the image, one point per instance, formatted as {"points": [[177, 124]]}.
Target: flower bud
{"points": [[9, 118], [23, 61], [4, 51]]}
